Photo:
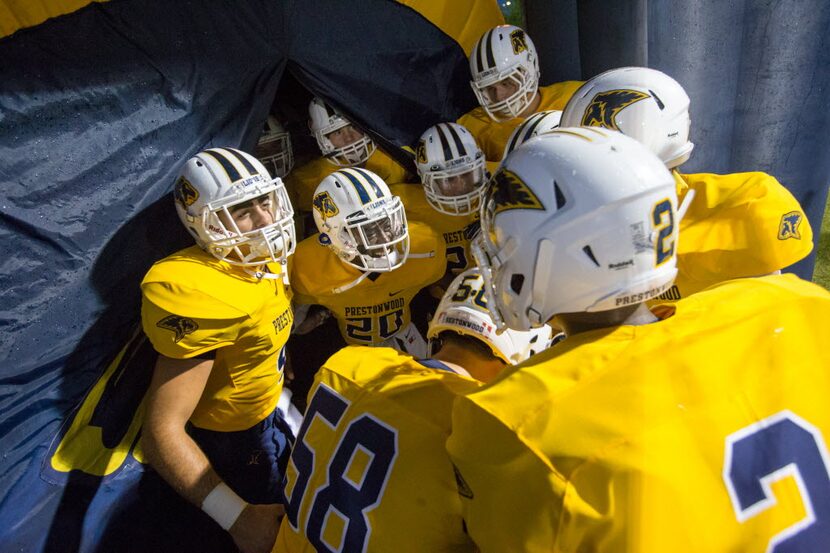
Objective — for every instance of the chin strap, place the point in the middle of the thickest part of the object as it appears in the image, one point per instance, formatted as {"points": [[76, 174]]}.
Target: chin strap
{"points": [[426, 255], [351, 285], [260, 275], [684, 207]]}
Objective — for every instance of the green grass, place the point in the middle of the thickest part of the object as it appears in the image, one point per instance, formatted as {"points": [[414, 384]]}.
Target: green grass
{"points": [[821, 274]]}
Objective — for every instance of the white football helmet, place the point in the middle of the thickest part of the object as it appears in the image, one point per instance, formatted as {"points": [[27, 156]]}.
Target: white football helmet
{"points": [[274, 148], [645, 104], [463, 309], [451, 166], [504, 52], [324, 120], [214, 182], [360, 219], [538, 123], [577, 220]]}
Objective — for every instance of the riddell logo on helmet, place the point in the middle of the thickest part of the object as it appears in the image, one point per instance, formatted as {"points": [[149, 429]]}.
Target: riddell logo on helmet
{"points": [[605, 106], [621, 265]]}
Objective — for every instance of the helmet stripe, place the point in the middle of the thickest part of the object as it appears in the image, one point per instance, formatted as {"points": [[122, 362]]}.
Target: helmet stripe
{"points": [[479, 50], [533, 124], [326, 107], [361, 190], [371, 181], [445, 144], [491, 59], [244, 160], [227, 164], [459, 145]]}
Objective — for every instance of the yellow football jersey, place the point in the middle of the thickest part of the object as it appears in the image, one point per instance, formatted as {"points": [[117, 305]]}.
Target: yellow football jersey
{"points": [[457, 230], [193, 303], [739, 225], [701, 432], [378, 307], [369, 471], [304, 180], [491, 136]]}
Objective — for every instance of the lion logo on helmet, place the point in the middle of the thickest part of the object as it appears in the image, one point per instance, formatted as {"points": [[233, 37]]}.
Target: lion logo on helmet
{"points": [[421, 152], [508, 192], [603, 109], [325, 205], [185, 193], [518, 41]]}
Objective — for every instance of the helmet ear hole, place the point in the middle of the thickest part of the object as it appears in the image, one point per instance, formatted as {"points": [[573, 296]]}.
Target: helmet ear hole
{"points": [[516, 283]]}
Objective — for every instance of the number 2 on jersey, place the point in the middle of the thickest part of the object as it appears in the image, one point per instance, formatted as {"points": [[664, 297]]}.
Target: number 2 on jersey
{"points": [[783, 445], [662, 217], [356, 473]]}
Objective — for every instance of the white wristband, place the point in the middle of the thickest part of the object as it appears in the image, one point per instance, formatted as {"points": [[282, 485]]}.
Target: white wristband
{"points": [[223, 505]]}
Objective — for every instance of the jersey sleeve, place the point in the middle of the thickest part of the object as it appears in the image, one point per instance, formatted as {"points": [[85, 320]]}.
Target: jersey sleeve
{"points": [[179, 333], [741, 225]]}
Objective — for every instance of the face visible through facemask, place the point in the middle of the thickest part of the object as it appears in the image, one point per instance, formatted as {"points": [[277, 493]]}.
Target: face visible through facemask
{"points": [[374, 235], [251, 215], [501, 90], [344, 136], [457, 185]]}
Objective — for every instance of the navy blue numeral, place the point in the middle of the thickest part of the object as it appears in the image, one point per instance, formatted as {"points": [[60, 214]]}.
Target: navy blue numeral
{"points": [[780, 446], [350, 499], [456, 259], [662, 250], [390, 323], [329, 407]]}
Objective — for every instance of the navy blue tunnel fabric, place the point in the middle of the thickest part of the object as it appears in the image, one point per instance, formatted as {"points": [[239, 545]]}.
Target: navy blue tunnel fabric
{"points": [[757, 73], [98, 109]]}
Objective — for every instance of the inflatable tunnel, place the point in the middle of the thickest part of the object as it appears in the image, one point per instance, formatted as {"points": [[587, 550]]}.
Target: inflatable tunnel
{"points": [[100, 103]]}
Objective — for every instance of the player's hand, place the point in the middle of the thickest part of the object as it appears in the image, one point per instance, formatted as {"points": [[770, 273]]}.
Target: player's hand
{"points": [[255, 531]]}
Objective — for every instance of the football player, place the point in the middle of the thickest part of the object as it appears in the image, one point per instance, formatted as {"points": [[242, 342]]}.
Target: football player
{"points": [[342, 144], [636, 433], [369, 471], [219, 316], [366, 264], [274, 149], [454, 173], [736, 225], [505, 78]]}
